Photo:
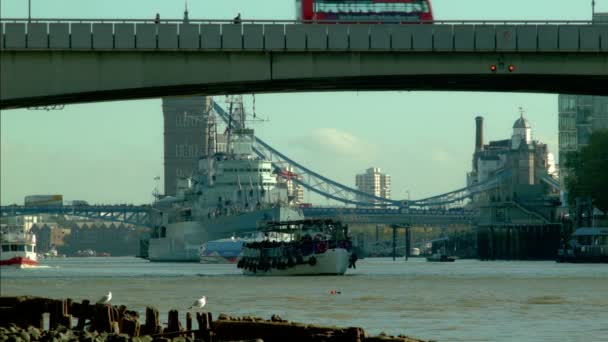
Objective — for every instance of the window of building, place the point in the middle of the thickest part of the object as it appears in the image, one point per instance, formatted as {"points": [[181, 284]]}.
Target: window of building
{"points": [[5, 248], [567, 103]]}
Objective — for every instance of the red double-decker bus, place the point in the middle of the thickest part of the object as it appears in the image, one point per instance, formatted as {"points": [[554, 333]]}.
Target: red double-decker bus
{"points": [[365, 10]]}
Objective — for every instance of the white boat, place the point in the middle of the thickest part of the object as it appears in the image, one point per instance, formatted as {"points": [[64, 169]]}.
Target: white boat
{"points": [[313, 247], [18, 247]]}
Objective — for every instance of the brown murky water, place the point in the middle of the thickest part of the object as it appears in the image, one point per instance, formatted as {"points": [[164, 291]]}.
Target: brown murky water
{"points": [[466, 300]]}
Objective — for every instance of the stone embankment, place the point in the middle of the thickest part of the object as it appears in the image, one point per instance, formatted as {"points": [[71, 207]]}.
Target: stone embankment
{"points": [[21, 319]]}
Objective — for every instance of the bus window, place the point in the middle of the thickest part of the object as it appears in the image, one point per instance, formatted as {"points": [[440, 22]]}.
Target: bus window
{"points": [[365, 10]]}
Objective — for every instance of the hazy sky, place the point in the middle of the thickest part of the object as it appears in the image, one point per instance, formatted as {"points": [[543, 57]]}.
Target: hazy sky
{"points": [[111, 152]]}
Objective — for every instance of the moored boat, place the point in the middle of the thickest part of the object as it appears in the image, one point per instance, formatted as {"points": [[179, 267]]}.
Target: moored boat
{"points": [[223, 251], [587, 244], [18, 247], [438, 257], [299, 247]]}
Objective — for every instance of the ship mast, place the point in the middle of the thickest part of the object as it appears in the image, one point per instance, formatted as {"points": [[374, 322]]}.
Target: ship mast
{"points": [[237, 118]]}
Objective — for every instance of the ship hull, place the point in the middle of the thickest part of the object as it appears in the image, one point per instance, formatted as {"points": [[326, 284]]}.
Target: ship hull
{"points": [[211, 259], [183, 239], [332, 262], [19, 261]]}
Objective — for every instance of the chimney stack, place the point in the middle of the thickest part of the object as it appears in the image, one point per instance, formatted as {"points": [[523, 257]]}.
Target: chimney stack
{"points": [[478, 134]]}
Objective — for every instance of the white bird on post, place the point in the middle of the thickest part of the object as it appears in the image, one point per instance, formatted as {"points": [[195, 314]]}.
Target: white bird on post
{"points": [[199, 303], [105, 299]]}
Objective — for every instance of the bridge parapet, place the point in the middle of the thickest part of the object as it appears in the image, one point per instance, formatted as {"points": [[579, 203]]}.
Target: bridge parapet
{"points": [[441, 36]]}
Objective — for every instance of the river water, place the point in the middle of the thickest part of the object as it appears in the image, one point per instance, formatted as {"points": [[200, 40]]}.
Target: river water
{"points": [[467, 300]]}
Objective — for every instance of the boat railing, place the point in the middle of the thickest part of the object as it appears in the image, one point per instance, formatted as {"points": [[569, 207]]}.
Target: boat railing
{"points": [[17, 239]]}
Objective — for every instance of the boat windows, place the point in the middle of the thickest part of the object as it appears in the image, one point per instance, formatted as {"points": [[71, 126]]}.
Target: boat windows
{"points": [[17, 248]]}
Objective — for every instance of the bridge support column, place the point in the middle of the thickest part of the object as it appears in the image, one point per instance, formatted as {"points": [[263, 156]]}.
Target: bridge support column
{"points": [[394, 243], [408, 242], [527, 236], [509, 239], [491, 244], [516, 243]]}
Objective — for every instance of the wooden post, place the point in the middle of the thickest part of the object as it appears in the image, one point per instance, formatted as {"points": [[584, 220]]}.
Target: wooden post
{"points": [[204, 326], [84, 308], [209, 337], [105, 318], [33, 310], [354, 334], [130, 326], [152, 322], [189, 324], [56, 313], [173, 324], [102, 318], [66, 318]]}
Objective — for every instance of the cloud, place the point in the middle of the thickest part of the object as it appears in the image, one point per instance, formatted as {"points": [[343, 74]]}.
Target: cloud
{"points": [[332, 141], [442, 156]]}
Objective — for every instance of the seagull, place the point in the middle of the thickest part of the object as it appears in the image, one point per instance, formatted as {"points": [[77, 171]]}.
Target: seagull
{"points": [[199, 303], [105, 299]]}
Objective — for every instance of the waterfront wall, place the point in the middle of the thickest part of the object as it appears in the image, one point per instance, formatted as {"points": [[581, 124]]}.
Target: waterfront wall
{"points": [[519, 242]]}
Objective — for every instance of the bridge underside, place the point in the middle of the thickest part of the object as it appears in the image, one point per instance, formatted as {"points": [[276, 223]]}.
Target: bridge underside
{"points": [[35, 78]]}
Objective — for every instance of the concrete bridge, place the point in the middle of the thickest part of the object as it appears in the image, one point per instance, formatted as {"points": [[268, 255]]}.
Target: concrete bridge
{"points": [[48, 62]]}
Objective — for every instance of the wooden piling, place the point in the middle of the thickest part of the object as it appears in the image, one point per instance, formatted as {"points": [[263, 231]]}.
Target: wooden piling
{"points": [[66, 319], [173, 323], [103, 318], [204, 320], [189, 325], [152, 326], [130, 326], [83, 314]]}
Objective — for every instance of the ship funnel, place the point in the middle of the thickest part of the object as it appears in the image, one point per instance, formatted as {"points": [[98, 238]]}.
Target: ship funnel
{"points": [[478, 133]]}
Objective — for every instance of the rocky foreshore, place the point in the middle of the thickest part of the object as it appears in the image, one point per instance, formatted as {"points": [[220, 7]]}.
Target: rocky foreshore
{"points": [[21, 320]]}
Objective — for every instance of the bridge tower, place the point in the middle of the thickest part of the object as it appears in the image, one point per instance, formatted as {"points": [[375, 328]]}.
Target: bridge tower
{"points": [[185, 130]]}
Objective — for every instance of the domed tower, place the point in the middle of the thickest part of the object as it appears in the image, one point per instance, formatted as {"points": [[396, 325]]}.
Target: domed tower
{"points": [[522, 154], [521, 132]]}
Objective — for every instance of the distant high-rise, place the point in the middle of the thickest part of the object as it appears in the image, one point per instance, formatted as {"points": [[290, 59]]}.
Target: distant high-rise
{"points": [[185, 135], [579, 116], [374, 183]]}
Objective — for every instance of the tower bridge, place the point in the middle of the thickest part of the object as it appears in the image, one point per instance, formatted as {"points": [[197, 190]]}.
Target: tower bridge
{"points": [[443, 209]]}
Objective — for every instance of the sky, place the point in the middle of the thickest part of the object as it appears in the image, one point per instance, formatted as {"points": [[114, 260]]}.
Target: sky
{"points": [[111, 152]]}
